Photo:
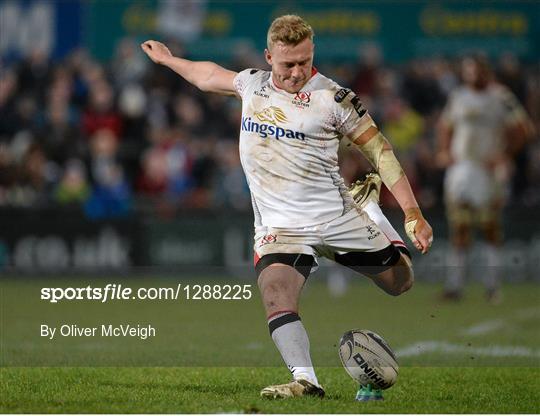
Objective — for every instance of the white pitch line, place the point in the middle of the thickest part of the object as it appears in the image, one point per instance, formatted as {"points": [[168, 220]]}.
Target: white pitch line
{"points": [[424, 347], [480, 328], [483, 328]]}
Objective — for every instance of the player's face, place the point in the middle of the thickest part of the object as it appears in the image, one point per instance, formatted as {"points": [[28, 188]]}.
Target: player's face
{"points": [[291, 65], [474, 74]]}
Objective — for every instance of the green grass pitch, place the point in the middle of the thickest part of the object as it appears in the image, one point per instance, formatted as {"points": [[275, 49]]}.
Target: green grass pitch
{"points": [[215, 356]]}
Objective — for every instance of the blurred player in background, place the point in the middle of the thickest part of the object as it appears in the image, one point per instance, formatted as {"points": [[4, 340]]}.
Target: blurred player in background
{"points": [[293, 119], [481, 128]]}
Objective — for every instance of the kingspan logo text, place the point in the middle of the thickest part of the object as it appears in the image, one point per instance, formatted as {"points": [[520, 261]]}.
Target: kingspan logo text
{"points": [[268, 130]]}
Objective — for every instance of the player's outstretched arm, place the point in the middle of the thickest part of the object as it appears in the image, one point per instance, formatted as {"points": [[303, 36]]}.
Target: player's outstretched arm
{"points": [[207, 76], [379, 152]]}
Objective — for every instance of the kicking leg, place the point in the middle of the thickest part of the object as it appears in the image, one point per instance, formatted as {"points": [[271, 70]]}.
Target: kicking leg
{"points": [[396, 280], [388, 268], [375, 213], [366, 196]]}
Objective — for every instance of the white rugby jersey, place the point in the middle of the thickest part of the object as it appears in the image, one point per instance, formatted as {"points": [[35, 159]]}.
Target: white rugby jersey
{"points": [[479, 119], [288, 148]]}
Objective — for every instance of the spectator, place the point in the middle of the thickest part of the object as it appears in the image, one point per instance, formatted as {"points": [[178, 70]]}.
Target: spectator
{"points": [[166, 167], [421, 89], [100, 112], [404, 126], [36, 180], [8, 90], [73, 188], [189, 115], [111, 194], [34, 74], [231, 190], [58, 132], [369, 67]]}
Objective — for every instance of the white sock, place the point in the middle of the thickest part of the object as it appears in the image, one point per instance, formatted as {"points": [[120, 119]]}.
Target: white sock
{"points": [[292, 341], [455, 272], [491, 276], [377, 216]]}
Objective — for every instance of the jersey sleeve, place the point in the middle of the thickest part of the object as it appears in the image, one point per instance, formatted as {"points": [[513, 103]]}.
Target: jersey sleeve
{"points": [[514, 113], [243, 79], [350, 113]]}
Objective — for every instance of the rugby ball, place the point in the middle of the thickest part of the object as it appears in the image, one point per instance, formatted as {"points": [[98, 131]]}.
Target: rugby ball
{"points": [[368, 359]]}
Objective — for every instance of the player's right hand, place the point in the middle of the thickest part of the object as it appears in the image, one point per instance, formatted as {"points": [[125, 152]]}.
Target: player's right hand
{"points": [[418, 230], [156, 51]]}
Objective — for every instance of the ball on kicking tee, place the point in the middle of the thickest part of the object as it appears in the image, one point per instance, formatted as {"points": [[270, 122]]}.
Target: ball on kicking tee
{"points": [[368, 359]]}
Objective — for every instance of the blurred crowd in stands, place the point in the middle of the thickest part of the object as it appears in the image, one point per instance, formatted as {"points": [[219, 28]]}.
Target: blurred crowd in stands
{"points": [[130, 135]]}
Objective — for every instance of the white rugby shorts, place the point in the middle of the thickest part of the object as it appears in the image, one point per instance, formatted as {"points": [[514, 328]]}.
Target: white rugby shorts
{"points": [[467, 183], [352, 232]]}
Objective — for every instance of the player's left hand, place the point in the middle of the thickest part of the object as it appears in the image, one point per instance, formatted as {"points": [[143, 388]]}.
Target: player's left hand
{"points": [[418, 230]]}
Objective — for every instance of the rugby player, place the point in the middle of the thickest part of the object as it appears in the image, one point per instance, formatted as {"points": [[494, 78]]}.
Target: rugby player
{"points": [[293, 119], [480, 128]]}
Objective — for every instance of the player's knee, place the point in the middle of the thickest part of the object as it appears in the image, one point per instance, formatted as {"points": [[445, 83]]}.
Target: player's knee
{"points": [[400, 287], [403, 282], [407, 284], [279, 288], [275, 297], [271, 286]]}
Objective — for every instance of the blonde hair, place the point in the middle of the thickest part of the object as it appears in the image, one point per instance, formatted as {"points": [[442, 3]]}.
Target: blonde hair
{"points": [[289, 29]]}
